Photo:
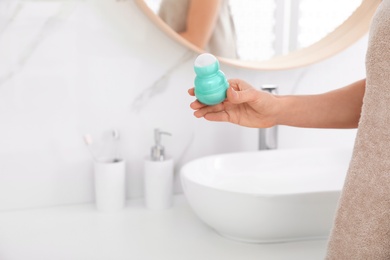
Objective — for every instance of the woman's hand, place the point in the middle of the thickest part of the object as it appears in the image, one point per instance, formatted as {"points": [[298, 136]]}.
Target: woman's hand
{"points": [[244, 105]]}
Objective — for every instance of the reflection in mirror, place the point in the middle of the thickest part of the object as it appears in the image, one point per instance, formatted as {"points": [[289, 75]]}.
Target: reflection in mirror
{"points": [[267, 28], [206, 24]]}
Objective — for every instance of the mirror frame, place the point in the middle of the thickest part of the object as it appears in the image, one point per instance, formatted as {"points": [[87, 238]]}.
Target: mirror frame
{"points": [[354, 28]]}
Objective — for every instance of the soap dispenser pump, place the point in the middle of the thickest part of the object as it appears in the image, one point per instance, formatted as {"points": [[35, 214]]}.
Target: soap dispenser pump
{"points": [[157, 151], [158, 175]]}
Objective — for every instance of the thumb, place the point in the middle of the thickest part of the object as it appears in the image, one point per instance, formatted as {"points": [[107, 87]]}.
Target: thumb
{"points": [[241, 96]]}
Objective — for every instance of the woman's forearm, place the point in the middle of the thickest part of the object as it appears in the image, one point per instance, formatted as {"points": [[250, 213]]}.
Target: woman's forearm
{"points": [[339, 108], [201, 18]]}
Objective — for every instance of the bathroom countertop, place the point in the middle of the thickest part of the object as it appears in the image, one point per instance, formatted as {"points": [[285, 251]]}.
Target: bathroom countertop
{"points": [[80, 232]]}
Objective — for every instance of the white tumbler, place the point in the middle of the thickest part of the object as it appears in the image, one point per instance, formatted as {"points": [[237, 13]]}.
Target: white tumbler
{"points": [[158, 177], [110, 185]]}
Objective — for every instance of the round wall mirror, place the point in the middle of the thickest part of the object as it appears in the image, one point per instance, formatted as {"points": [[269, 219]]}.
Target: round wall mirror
{"points": [[276, 34]]}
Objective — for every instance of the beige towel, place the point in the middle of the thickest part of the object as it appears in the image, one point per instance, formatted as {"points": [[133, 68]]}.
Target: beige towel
{"points": [[362, 225]]}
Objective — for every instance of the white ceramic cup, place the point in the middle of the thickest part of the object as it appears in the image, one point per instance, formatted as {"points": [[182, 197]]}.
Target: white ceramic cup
{"points": [[109, 185]]}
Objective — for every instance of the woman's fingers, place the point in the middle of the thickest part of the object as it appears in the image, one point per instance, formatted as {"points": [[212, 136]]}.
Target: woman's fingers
{"points": [[197, 105], [209, 109], [241, 92], [191, 91], [221, 116]]}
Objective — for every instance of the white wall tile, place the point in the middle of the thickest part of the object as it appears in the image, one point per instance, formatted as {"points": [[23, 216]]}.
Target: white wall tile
{"points": [[107, 66]]}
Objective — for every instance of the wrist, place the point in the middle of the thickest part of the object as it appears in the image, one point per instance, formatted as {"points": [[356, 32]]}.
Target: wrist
{"points": [[282, 110]]}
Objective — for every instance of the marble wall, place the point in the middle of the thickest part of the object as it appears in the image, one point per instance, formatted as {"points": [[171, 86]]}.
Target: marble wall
{"points": [[70, 68]]}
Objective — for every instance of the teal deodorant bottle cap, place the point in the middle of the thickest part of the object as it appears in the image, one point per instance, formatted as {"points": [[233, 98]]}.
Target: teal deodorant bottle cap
{"points": [[210, 81]]}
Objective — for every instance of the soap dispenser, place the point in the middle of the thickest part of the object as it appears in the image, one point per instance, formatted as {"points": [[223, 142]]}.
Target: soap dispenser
{"points": [[210, 82], [158, 175]]}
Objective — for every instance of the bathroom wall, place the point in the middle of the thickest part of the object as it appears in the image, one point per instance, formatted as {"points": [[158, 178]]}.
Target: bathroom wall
{"points": [[88, 67]]}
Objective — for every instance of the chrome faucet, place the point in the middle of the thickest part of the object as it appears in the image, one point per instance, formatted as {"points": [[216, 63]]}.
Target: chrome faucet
{"points": [[268, 137]]}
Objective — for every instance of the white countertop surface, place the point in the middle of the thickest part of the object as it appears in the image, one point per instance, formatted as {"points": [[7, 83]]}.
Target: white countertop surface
{"points": [[80, 232]]}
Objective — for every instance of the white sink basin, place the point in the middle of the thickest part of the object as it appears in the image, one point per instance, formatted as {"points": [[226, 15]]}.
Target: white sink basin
{"points": [[267, 196]]}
